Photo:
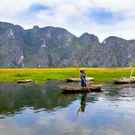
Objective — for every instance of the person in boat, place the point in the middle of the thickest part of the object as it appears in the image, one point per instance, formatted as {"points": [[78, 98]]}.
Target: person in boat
{"points": [[83, 78]]}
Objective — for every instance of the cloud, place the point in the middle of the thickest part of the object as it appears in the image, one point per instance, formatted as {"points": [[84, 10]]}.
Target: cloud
{"points": [[33, 11], [100, 17], [37, 7], [105, 16]]}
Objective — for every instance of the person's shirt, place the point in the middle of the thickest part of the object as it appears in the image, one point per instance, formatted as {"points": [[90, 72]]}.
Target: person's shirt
{"points": [[82, 76]]}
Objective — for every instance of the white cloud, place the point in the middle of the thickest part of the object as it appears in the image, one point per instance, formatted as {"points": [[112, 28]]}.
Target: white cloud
{"points": [[73, 15]]}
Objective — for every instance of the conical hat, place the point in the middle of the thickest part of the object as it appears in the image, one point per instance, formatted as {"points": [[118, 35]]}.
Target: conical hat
{"points": [[82, 69]]}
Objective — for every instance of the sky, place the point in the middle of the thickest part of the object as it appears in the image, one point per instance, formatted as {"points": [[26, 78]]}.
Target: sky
{"points": [[103, 18]]}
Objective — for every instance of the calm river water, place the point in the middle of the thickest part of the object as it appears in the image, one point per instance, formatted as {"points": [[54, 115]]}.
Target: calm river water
{"points": [[44, 110]]}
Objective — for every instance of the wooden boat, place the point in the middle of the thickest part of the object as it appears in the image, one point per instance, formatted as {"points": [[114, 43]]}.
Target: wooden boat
{"points": [[125, 80], [25, 81], [78, 79], [73, 90]]}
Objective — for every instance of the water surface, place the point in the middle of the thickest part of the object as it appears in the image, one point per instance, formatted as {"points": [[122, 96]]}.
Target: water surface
{"points": [[44, 110]]}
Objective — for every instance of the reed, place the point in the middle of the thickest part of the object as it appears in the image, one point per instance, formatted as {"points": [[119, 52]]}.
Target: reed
{"points": [[40, 75]]}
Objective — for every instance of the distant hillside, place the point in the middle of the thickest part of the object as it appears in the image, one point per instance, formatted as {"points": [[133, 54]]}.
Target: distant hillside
{"points": [[56, 47]]}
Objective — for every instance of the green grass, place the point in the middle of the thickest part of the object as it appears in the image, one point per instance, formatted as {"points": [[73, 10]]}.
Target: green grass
{"points": [[40, 75]]}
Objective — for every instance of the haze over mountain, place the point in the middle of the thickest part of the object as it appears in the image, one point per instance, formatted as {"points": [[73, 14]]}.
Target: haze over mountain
{"points": [[57, 47]]}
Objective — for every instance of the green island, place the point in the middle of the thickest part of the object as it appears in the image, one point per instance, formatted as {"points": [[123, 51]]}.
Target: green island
{"points": [[40, 75]]}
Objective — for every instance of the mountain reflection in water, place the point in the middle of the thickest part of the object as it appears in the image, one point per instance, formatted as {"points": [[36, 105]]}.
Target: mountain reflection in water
{"points": [[41, 109], [14, 97]]}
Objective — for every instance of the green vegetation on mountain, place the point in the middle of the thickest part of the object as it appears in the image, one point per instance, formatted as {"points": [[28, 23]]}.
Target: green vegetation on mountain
{"points": [[56, 47]]}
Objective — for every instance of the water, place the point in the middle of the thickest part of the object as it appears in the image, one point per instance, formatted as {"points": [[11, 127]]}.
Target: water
{"points": [[43, 110]]}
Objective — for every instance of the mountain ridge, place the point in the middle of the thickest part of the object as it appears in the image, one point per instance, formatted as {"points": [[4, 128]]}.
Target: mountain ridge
{"points": [[57, 47]]}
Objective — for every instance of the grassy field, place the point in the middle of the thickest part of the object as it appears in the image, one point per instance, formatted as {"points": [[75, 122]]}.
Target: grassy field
{"points": [[40, 75]]}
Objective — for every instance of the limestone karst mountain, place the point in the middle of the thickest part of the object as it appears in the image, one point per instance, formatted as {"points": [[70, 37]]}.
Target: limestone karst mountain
{"points": [[56, 47]]}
